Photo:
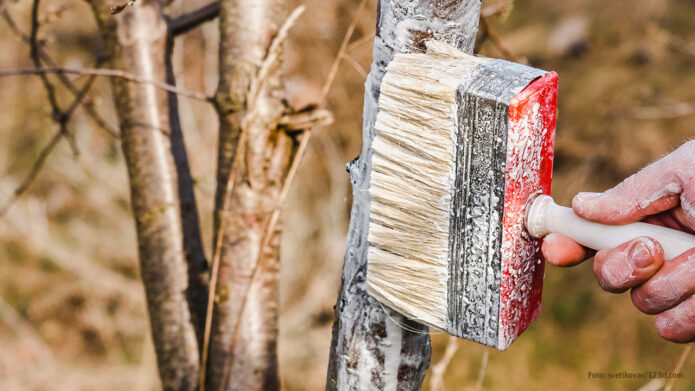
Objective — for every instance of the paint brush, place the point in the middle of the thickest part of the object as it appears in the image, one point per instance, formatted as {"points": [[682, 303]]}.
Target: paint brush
{"points": [[463, 146]]}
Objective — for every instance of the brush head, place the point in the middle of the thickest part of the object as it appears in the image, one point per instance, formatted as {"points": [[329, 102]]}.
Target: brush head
{"points": [[462, 142]]}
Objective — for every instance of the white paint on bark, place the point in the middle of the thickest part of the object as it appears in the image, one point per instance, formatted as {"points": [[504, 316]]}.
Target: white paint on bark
{"points": [[388, 357]]}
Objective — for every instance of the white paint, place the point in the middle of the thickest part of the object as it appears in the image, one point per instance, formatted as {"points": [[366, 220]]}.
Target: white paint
{"points": [[392, 360], [670, 189], [689, 210]]}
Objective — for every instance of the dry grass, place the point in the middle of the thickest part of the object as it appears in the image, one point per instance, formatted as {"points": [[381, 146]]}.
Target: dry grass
{"points": [[73, 316]]}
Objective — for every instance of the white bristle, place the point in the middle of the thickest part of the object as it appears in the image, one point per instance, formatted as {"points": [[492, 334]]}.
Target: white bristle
{"points": [[412, 180]]}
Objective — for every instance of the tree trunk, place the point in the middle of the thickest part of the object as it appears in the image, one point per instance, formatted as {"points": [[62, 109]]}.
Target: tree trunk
{"points": [[242, 353], [372, 349], [136, 43]]}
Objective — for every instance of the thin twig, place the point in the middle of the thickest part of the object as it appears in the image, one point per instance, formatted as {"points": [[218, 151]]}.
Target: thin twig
{"points": [[679, 366], [108, 73], [43, 155], [653, 385], [356, 65], [438, 369], [190, 20], [341, 52], [36, 59], [80, 96], [271, 58], [58, 115], [117, 9], [86, 102], [267, 64], [677, 110], [483, 369], [361, 41], [496, 9], [33, 173], [497, 40]]}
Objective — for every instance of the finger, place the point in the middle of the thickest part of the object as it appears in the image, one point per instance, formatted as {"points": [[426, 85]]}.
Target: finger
{"points": [[622, 204], [678, 323], [628, 265], [687, 209], [670, 285], [666, 219], [559, 250], [681, 220], [654, 189]]}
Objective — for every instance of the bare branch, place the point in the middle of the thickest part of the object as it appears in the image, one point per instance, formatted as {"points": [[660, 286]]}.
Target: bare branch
{"points": [[482, 370], [82, 93], [676, 110], [86, 102], [117, 9], [361, 41], [496, 40], [34, 44], [499, 9], [356, 66], [190, 20], [438, 369], [38, 164], [108, 73], [304, 119], [679, 365], [33, 173], [341, 52]]}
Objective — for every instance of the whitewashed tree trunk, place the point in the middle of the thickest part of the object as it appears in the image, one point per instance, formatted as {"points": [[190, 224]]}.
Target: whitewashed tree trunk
{"points": [[373, 350]]}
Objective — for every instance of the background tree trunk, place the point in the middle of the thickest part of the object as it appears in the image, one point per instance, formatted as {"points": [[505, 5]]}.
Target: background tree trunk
{"points": [[372, 349], [244, 332], [136, 43]]}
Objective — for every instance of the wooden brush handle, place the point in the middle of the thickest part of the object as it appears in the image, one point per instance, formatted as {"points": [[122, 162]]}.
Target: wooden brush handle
{"points": [[544, 216]]}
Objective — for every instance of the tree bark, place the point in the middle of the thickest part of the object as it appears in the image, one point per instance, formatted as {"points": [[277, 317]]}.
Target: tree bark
{"points": [[136, 43], [374, 348], [242, 353]]}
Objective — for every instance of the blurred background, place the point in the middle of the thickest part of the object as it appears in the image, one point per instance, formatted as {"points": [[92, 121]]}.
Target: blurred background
{"points": [[72, 312]]}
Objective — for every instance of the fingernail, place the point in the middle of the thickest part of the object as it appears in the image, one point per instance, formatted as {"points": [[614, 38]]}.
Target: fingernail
{"points": [[641, 255], [587, 196]]}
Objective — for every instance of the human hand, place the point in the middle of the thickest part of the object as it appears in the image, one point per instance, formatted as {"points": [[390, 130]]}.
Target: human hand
{"points": [[662, 193]]}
